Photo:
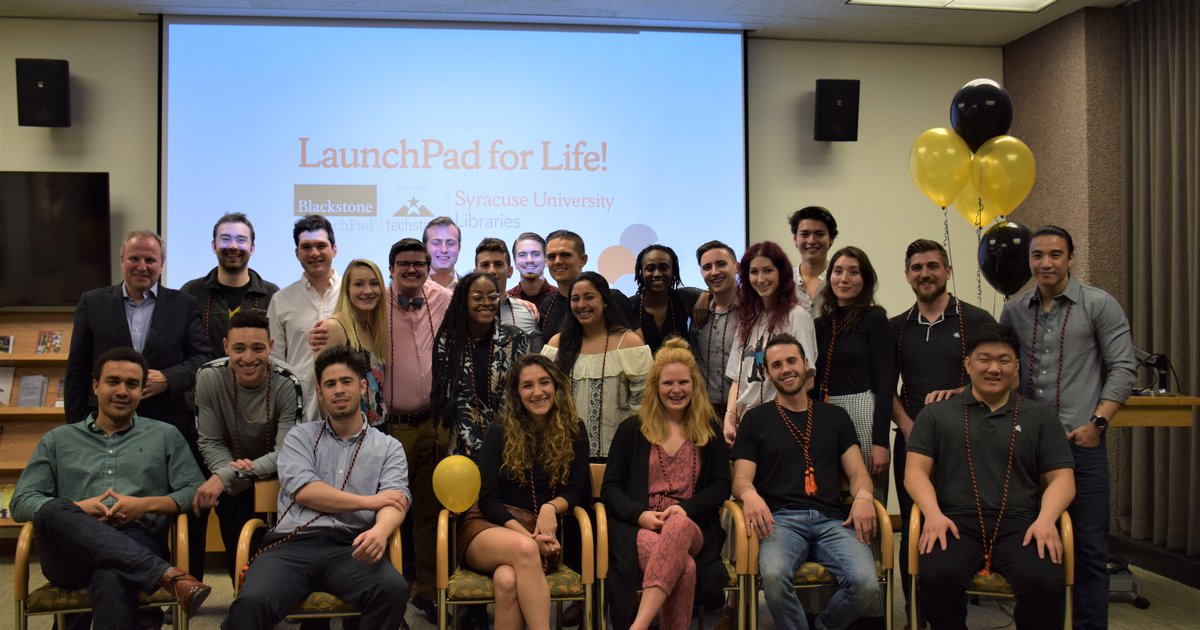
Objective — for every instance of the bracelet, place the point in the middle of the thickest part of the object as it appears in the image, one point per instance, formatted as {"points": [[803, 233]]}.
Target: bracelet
{"points": [[864, 498]]}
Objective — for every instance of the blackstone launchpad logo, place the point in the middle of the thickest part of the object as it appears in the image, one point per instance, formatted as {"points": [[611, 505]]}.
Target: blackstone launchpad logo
{"points": [[336, 200]]}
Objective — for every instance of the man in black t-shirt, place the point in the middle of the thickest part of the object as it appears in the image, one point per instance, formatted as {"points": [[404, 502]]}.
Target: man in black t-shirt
{"points": [[232, 285], [981, 505], [565, 258], [785, 472], [931, 346]]}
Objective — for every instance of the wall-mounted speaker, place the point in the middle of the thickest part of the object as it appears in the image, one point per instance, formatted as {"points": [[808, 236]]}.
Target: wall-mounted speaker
{"points": [[43, 93], [837, 110]]}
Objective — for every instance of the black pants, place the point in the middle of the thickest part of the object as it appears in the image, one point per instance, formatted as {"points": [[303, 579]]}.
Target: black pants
{"points": [[78, 551], [1089, 515], [899, 458], [1037, 582], [320, 561], [232, 513]]}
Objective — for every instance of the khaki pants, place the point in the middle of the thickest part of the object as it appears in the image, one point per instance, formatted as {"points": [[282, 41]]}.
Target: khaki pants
{"points": [[424, 447]]}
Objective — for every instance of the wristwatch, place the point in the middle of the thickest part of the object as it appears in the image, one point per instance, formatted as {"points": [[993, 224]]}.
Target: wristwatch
{"points": [[1100, 421]]}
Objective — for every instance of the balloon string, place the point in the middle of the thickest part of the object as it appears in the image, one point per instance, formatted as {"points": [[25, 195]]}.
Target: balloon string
{"points": [[946, 244], [978, 244]]}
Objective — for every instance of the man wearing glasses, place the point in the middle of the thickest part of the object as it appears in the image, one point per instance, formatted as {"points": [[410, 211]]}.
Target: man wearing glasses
{"points": [[416, 306]]}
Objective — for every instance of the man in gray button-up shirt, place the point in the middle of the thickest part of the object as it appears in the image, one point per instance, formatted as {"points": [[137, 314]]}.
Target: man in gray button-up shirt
{"points": [[343, 491], [1076, 355]]}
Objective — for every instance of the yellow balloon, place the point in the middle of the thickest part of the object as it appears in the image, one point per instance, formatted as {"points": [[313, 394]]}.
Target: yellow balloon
{"points": [[968, 205], [1003, 172], [456, 483], [940, 163]]}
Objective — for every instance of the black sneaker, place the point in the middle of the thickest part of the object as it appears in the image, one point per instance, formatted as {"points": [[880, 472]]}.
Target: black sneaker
{"points": [[428, 608], [572, 615]]}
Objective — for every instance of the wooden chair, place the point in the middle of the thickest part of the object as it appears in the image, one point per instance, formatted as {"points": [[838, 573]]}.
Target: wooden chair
{"points": [[51, 600], [813, 575], [737, 569], [318, 605], [994, 585], [464, 587]]}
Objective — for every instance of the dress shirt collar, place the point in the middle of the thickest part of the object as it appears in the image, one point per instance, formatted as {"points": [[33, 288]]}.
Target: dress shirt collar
{"points": [[328, 428], [333, 280], [94, 428], [1073, 292], [151, 293]]}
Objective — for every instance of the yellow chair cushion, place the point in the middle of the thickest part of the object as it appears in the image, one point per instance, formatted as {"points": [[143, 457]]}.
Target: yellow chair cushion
{"points": [[51, 598], [994, 583], [812, 573], [465, 584], [323, 603]]}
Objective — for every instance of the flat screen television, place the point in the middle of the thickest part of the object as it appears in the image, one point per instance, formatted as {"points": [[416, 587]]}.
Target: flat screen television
{"points": [[54, 235]]}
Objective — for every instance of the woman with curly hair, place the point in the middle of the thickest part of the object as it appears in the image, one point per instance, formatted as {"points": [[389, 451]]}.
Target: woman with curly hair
{"points": [[663, 305], [360, 321], [605, 360], [667, 475], [767, 306], [534, 467], [472, 353]]}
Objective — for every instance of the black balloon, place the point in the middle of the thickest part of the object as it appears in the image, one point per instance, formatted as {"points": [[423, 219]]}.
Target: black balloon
{"points": [[1004, 256], [980, 111]]}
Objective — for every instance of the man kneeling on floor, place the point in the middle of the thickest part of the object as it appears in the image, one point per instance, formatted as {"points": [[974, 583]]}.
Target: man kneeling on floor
{"points": [[97, 492], [786, 463], [343, 491], [992, 450]]}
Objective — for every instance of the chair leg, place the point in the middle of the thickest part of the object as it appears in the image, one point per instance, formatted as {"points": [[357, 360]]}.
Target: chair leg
{"points": [[887, 599], [602, 611], [588, 610], [741, 602], [1067, 617], [441, 609], [912, 602], [557, 615], [181, 618], [753, 603], [19, 610]]}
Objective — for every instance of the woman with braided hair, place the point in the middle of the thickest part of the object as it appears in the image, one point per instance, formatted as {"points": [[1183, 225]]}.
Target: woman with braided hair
{"points": [[663, 305], [472, 353]]}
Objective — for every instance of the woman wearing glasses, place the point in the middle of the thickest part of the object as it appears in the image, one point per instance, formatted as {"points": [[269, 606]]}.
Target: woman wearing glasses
{"points": [[472, 353]]}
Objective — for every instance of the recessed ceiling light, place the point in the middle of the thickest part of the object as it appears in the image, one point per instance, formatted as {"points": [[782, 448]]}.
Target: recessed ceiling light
{"points": [[1020, 6]]}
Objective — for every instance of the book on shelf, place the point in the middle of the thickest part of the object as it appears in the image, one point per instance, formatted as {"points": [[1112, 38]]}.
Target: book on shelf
{"points": [[6, 344], [6, 493], [7, 373], [59, 402], [33, 390], [49, 341]]}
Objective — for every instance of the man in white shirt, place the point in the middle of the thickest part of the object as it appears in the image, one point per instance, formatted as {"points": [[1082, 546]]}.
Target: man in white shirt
{"points": [[443, 240], [813, 231], [300, 305]]}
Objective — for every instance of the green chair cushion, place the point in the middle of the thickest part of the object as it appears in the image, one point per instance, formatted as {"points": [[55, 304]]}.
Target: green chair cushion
{"points": [[731, 574], [323, 603], [994, 583], [465, 584], [49, 598], [812, 573]]}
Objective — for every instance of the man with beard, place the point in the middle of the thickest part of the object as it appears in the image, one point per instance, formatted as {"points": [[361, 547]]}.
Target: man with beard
{"points": [[443, 240], [712, 338], [565, 256], [232, 285], [932, 339], [416, 307], [491, 257], [296, 308], [813, 231], [246, 402], [785, 471], [98, 491], [1077, 354], [529, 252], [343, 490]]}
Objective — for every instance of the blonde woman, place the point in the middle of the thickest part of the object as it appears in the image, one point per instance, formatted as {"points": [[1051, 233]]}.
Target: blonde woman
{"points": [[534, 467], [360, 321], [666, 478]]}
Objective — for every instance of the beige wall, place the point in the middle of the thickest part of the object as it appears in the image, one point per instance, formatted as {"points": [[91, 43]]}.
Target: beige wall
{"points": [[866, 184], [114, 110], [905, 90]]}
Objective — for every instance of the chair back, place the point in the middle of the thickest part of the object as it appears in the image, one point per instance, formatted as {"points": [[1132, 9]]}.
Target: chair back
{"points": [[597, 471], [266, 495]]}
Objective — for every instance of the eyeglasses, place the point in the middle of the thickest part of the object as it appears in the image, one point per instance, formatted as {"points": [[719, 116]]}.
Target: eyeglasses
{"points": [[485, 297], [414, 264]]}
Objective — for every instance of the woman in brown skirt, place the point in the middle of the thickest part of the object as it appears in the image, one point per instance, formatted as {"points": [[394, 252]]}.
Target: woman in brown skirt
{"points": [[534, 467]]}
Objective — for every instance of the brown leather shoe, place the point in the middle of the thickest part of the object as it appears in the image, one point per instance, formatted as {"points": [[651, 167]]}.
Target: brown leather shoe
{"points": [[189, 591]]}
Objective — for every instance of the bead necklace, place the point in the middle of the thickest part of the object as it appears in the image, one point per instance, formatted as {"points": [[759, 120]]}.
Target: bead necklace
{"points": [[694, 474], [669, 322], [712, 321], [1062, 345], [810, 476], [599, 411], [835, 330], [269, 435], [990, 542]]}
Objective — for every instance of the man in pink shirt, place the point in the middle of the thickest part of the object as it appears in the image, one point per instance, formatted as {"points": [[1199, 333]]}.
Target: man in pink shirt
{"points": [[416, 307]]}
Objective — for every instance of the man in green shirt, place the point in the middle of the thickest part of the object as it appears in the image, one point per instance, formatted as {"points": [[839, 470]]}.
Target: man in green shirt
{"points": [[99, 493]]}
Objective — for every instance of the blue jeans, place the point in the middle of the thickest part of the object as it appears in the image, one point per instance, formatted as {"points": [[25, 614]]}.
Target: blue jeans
{"points": [[1089, 515], [802, 535]]}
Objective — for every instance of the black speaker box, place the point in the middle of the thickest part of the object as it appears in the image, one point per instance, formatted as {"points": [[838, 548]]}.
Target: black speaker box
{"points": [[837, 110], [43, 93]]}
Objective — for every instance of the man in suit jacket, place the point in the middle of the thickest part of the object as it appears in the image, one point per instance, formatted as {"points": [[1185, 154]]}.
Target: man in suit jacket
{"points": [[162, 324]]}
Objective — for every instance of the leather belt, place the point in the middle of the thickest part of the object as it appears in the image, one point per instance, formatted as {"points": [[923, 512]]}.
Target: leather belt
{"points": [[408, 418]]}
